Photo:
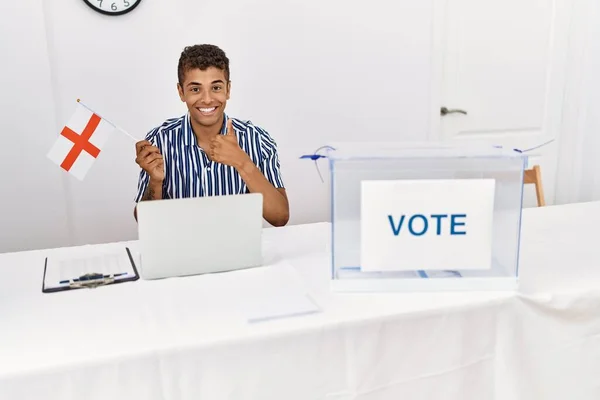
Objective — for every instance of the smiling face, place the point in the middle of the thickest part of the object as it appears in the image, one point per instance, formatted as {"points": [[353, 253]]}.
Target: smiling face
{"points": [[205, 92]]}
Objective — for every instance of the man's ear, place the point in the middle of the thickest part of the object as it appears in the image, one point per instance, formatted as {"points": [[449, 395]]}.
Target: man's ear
{"points": [[180, 91], [228, 89]]}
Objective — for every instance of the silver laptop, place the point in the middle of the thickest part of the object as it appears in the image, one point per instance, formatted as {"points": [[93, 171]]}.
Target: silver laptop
{"points": [[199, 235]]}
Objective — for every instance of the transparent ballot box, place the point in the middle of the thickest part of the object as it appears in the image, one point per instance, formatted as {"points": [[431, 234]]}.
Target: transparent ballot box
{"points": [[413, 217]]}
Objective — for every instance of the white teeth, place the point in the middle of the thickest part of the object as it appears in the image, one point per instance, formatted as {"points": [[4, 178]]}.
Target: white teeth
{"points": [[205, 110]]}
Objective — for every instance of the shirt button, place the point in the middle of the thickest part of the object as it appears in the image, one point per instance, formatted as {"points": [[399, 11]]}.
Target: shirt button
{"points": [[208, 169]]}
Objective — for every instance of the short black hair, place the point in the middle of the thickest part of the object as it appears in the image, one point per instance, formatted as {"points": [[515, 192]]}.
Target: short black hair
{"points": [[202, 56]]}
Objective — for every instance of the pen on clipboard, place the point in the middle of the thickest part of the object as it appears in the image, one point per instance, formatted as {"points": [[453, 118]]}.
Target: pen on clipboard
{"points": [[94, 277]]}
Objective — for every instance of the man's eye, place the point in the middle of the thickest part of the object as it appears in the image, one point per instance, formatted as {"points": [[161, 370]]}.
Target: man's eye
{"points": [[216, 88], [196, 90]]}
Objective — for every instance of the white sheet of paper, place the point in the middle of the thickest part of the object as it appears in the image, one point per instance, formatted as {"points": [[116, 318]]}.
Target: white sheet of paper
{"points": [[277, 292], [429, 224], [60, 268]]}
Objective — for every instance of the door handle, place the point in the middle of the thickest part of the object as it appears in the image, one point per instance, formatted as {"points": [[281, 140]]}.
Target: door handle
{"points": [[444, 111]]}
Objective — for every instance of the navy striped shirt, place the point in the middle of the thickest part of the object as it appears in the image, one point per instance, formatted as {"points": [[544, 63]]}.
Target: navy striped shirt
{"points": [[190, 173]]}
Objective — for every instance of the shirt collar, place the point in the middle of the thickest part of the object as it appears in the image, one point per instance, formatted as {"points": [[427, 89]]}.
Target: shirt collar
{"points": [[188, 133]]}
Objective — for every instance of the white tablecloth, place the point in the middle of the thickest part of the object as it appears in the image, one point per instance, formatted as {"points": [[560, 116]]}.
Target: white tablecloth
{"points": [[187, 338]]}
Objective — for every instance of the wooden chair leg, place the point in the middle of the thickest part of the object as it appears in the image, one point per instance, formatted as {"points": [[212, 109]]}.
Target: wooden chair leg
{"points": [[539, 190]]}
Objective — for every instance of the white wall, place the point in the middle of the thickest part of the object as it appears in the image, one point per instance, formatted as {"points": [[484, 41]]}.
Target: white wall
{"points": [[32, 212], [579, 162], [310, 72]]}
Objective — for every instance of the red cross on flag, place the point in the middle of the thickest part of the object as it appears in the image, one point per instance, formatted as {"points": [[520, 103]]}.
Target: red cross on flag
{"points": [[80, 141]]}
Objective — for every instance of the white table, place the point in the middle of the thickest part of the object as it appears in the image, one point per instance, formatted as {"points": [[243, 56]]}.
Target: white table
{"points": [[186, 338]]}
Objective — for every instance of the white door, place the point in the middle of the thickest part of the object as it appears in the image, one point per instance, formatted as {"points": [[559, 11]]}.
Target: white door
{"points": [[502, 63]]}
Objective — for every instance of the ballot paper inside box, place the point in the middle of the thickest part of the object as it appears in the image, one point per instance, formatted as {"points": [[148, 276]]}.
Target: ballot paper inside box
{"points": [[412, 217]]}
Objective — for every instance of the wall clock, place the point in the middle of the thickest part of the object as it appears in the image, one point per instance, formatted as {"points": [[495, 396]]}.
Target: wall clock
{"points": [[112, 7]]}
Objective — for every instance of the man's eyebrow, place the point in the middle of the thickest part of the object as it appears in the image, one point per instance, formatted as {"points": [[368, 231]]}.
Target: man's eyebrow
{"points": [[199, 84]]}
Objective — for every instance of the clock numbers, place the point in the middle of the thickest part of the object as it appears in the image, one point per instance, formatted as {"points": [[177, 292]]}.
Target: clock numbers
{"points": [[112, 6]]}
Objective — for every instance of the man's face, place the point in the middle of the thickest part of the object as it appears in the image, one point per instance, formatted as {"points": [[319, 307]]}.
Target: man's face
{"points": [[205, 94]]}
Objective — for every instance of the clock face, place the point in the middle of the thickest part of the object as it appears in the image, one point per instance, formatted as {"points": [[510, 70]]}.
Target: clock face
{"points": [[113, 7]]}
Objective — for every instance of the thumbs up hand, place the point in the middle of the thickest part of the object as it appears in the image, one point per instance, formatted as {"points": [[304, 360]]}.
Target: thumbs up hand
{"points": [[225, 149]]}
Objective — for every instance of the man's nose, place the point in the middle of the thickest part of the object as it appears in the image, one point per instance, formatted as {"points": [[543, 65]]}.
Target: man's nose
{"points": [[206, 99]]}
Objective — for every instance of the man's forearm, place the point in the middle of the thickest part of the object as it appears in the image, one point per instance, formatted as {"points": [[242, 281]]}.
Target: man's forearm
{"points": [[275, 204], [153, 191]]}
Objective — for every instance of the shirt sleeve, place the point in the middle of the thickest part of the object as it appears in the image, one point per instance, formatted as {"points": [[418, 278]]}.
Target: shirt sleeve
{"points": [[269, 165], [144, 178]]}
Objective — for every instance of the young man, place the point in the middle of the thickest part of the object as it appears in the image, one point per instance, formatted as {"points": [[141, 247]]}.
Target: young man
{"points": [[205, 152]]}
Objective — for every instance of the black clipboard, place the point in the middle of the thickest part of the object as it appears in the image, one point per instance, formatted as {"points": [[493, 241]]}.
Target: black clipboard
{"points": [[90, 281]]}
